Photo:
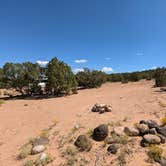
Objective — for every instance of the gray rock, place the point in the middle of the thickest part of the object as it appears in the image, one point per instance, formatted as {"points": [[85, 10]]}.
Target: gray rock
{"points": [[41, 141], [152, 139], [162, 138], [113, 149], [150, 123], [38, 149], [162, 161], [153, 131], [162, 130], [143, 129], [131, 131], [100, 132]]}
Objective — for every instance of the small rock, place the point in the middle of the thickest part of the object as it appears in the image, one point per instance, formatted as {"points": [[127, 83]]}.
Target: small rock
{"points": [[131, 131], [153, 131], [83, 143], [143, 129], [151, 139], [41, 141], [118, 131], [162, 130], [113, 149], [100, 132], [43, 157], [38, 149], [162, 138], [162, 161], [152, 124]]}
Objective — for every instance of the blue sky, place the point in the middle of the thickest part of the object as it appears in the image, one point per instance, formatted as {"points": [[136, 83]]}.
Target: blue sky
{"points": [[122, 35]]}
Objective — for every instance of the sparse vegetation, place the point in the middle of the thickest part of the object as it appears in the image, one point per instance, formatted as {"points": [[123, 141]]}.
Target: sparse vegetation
{"points": [[121, 139], [25, 151], [163, 121], [29, 163], [1, 102], [155, 153]]}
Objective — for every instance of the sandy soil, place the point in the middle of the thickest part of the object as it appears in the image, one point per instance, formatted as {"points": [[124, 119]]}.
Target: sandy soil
{"points": [[131, 102]]}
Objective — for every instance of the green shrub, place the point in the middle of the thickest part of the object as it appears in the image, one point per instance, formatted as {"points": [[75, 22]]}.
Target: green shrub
{"points": [[61, 80], [160, 77], [90, 79], [155, 153]]}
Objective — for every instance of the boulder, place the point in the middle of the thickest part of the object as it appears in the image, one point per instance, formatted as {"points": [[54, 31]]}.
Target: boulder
{"points": [[153, 131], [143, 129], [131, 131], [100, 132], [83, 143], [38, 149], [113, 149], [150, 123], [162, 130], [101, 108], [151, 139]]}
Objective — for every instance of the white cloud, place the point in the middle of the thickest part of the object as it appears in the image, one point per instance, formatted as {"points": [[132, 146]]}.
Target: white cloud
{"points": [[81, 61], [107, 58], [107, 69], [78, 70], [139, 54], [42, 63], [154, 67]]}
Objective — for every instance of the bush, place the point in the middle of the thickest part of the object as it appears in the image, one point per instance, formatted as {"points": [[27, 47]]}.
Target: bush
{"points": [[90, 79], [155, 153], [160, 77]]}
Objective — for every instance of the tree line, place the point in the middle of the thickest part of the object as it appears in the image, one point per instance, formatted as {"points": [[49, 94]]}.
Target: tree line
{"points": [[59, 79]]}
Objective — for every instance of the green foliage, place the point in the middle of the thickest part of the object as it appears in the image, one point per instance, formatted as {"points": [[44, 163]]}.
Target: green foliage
{"points": [[160, 77], [90, 79], [133, 76], [21, 76], [61, 80]]}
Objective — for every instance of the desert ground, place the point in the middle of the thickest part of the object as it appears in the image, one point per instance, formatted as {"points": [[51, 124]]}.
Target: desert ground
{"points": [[21, 120]]}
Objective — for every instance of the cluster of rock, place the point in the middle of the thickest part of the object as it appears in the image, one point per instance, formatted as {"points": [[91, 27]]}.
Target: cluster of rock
{"points": [[37, 146], [101, 108], [151, 133]]}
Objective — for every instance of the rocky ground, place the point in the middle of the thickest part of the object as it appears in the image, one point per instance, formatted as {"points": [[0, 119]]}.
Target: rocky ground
{"points": [[72, 130]]}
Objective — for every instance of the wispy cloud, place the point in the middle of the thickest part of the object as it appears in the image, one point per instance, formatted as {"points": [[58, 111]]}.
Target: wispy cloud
{"points": [[42, 63], [107, 69], [154, 67], [139, 54], [81, 61], [107, 58], [76, 70]]}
